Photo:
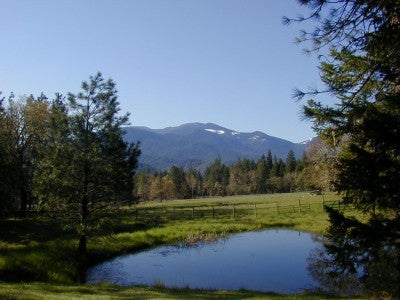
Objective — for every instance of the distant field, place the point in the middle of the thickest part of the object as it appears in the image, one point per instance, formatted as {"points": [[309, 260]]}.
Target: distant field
{"points": [[302, 211], [285, 198], [39, 250]]}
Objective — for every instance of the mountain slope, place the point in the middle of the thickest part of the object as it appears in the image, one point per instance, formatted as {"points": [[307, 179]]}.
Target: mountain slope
{"points": [[198, 144]]}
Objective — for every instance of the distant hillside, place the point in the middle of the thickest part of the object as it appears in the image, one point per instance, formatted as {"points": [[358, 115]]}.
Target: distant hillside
{"points": [[198, 144]]}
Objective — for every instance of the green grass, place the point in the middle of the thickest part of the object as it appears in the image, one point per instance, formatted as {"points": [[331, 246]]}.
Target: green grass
{"points": [[37, 250], [105, 291]]}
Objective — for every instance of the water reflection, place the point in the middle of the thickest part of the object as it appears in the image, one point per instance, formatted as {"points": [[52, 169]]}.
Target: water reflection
{"points": [[271, 260], [347, 269], [281, 261]]}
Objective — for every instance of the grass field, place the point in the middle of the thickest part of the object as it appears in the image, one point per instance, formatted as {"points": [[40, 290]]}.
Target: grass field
{"points": [[38, 250]]}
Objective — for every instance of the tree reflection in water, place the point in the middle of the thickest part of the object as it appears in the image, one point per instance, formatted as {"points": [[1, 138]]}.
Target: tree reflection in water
{"points": [[343, 267]]}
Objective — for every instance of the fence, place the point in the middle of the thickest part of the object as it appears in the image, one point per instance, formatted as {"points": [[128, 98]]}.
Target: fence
{"points": [[221, 210], [216, 210], [337, 204]]}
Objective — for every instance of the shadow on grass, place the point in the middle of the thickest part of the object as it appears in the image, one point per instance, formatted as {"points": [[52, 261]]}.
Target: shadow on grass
{"points": [[23, 231]]}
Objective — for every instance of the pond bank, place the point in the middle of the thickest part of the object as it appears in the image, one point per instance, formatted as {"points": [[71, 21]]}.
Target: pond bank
{"points": [[45, 291], [48, 255]]}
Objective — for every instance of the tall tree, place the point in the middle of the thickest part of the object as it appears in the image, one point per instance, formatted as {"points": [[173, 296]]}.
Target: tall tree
{"points": [[55, 151], [178, 177], [194, 180], [261, 175], [291, 162], [23, 131], [216, 178], [363, 73], [156, 188], [7, 166], [269, 162], [92, 165], [142, 183]]}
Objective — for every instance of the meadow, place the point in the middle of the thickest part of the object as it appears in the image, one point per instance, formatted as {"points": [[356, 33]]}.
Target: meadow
{"points": [[38, 257]]}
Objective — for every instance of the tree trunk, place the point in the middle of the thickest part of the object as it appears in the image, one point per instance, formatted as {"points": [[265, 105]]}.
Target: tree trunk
{"points": [[82, 245], [82, 259], [24, 201]]}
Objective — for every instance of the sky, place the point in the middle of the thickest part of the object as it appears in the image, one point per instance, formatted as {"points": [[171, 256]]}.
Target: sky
{"points": [[229, 62]]}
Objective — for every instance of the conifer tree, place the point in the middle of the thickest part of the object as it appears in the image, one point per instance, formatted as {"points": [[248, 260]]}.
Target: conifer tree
{"points": [[363, 73], [291, 162], [89, 161]]}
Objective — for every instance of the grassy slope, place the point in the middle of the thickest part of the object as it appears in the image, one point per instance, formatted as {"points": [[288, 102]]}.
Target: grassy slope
{"points": [[37, 250]]}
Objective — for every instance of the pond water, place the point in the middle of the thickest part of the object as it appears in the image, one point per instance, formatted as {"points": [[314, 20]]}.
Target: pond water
{"points": [[270, 260]]}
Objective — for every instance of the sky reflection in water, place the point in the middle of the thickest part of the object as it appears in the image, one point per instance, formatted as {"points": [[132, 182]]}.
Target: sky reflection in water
{"points": [[270, 260]]}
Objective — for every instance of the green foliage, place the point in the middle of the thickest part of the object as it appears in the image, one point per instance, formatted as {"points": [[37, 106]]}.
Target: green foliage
{"points": [[363, 74], [291, 162], [22, 132], [216, 178], [87, 167], [244, 177]]}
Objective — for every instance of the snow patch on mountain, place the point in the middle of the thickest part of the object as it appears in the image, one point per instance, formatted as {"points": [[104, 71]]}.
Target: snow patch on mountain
{"points": [[220, 132]]}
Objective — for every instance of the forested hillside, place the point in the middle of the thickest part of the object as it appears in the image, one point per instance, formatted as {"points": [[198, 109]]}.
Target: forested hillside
{"points": [[196, 145]]}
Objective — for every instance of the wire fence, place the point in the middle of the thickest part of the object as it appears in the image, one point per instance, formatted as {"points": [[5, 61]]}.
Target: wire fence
{"points": [[236, 210]]}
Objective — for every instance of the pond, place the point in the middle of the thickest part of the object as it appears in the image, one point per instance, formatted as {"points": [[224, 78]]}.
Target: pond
{"points": [[270, 260]]}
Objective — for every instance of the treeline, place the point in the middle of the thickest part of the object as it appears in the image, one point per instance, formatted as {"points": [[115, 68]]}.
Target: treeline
{"points": [[266, 175]]}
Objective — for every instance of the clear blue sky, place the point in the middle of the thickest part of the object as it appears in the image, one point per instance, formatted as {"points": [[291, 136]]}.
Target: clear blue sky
{"points": [[229, 62]]}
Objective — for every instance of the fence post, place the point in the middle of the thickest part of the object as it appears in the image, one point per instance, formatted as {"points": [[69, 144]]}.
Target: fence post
{"points": [[255, 210], [233, 212], [192, 212], [173, 213], [213, 212]]}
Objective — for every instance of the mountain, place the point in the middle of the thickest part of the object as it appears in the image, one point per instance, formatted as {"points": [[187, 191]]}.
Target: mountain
{"points": [[198, 144]]}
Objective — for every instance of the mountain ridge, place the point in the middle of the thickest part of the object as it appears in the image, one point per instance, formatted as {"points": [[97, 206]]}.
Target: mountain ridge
{"points": [[198, 144]]}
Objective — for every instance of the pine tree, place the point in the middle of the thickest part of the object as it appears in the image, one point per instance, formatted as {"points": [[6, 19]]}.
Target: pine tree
{"points": [[269, 162], [363, 73], [290, 162], [216, 178], [177, 175], [89, 161]]}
